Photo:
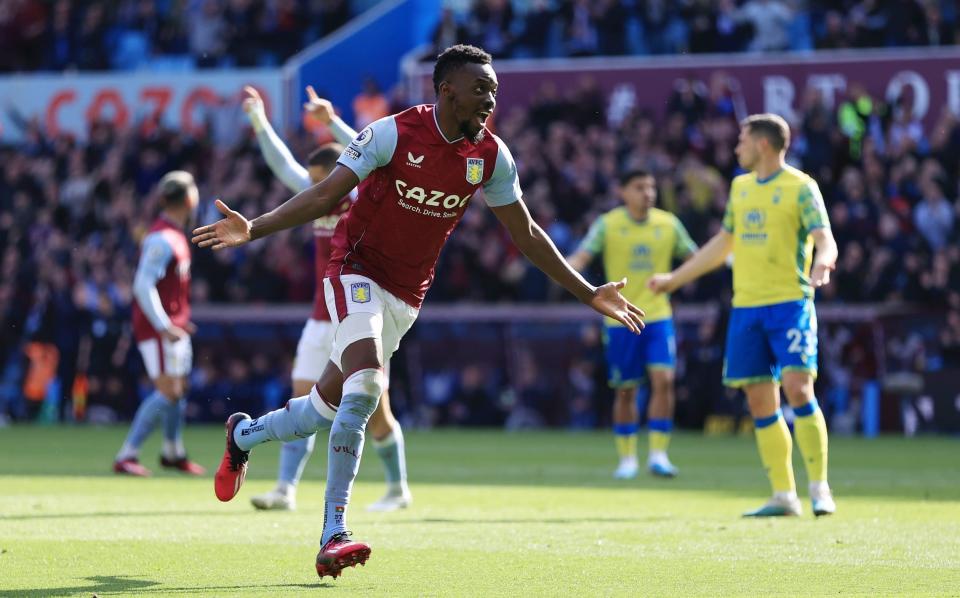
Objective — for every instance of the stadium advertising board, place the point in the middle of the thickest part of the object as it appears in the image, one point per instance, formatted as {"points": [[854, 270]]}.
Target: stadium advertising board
{"points": [[68, 103], [780, 84]]}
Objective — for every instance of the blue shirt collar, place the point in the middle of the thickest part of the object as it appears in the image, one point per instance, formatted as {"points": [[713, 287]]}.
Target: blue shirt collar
{"points": [[769, 178]]}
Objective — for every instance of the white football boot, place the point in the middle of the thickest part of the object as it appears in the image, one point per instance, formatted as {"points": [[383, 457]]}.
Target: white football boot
{"points": [[659, 465], [394, 500], [275, 500], [627, 470], [782, 504], [822, 499]]}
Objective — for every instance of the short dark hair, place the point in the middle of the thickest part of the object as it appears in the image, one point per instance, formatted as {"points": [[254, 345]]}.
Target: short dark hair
{"points": [[770, 126], [455, 57], [175, 187], [636, 173], [326, 155]]}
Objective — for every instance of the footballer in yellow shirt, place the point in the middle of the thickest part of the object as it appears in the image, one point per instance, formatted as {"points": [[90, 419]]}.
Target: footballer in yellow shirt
{"points": [[774, 219], [636, 241]]}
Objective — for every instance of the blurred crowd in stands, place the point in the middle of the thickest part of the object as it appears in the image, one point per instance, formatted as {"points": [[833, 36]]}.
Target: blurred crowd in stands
{"points": [[92, 35], [541, 28], [176, 34], [72, 212]]}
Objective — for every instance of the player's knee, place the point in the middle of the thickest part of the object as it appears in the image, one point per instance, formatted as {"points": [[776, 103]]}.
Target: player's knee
{"points": [[799, 390], [368, 382], [361, 393], [662, 382], [761, 405], [171, 388], [626, 394], [378, 426]]}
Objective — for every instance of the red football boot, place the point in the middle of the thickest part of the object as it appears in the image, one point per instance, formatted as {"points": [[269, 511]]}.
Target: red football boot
{"points": [[132, 467], [233, 466], [339, 553], [183, 464]]}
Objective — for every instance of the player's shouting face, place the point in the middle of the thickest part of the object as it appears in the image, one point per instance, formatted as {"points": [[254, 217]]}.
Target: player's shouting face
{"points": [[472, 93]]}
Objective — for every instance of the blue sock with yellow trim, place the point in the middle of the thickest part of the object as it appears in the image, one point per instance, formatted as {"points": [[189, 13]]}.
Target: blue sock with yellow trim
{"points": [[776, 451], [811, 430], [625, 436]]}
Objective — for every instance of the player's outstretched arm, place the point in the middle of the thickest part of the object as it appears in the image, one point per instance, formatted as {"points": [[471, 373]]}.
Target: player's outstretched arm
{"points": [[825, 260], [322, 110], [306, 206], [540, 250], [708, 258]]}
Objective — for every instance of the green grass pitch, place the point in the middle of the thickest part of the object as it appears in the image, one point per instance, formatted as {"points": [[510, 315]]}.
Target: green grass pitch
{"points": [[495, 514]]}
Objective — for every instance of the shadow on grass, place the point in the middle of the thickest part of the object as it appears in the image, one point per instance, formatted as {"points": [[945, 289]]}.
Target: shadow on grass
{"points": [[103, 583], [33, 516], [118, 584]]}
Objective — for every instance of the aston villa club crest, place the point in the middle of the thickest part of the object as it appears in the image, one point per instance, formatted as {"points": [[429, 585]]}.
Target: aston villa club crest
{"points": [[474, 170], [360, 292]]}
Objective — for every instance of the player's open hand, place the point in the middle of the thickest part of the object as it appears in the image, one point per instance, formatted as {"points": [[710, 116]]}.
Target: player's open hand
{"points": [[820, 275], [608, 301], [317, 107], [252, 102], [660, 283], [232, 231]]}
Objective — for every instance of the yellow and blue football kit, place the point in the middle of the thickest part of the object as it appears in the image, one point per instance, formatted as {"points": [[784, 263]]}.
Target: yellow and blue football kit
{"points": [[773, 325], [636, 250]]}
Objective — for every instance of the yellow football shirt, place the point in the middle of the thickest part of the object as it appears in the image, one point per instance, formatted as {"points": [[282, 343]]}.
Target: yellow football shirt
{"points": [[771, 221], [636, 251]]}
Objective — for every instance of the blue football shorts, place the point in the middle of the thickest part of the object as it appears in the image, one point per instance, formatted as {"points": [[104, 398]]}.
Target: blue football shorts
{"points": [[629, 355], [765, 340]]}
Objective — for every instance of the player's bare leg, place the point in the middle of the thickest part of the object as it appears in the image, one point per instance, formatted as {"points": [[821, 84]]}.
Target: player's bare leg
{"points": [[626, 419], [810, 428], [363, 385], [389, 443], [660, 421], [776, 448]]}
